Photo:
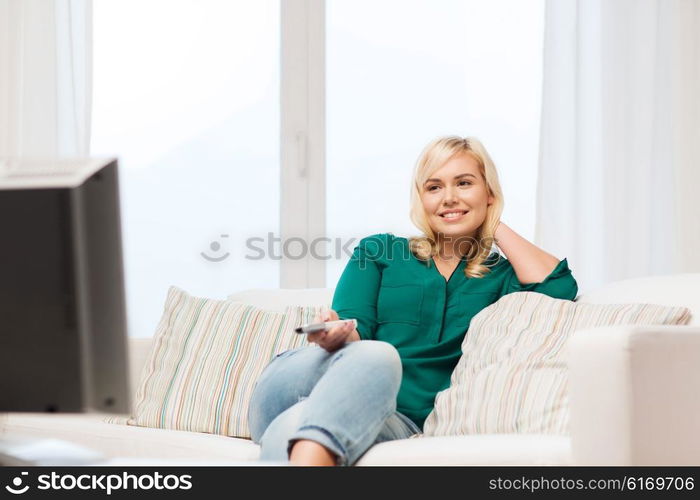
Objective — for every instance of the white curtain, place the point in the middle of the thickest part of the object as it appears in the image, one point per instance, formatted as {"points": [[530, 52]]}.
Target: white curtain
{"points": [[619, 169], [45, 77]]}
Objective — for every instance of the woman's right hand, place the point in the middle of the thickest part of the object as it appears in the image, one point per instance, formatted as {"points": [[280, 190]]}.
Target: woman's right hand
{"points": [[333, 339]]}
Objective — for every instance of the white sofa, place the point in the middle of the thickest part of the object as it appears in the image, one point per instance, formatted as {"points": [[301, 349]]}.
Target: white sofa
{"points": [[634, 399]]}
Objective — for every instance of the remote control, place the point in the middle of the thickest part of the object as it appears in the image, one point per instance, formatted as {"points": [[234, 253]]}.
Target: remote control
{"points": [[319, 327]]}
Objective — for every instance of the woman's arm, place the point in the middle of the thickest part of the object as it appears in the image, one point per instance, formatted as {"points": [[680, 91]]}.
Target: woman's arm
{"points": [[357, 291], [530, 263], [355, 295]]}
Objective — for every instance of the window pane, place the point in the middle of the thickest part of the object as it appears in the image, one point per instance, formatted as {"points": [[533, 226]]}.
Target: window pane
{"points": [[400, 73], [186, 94]]}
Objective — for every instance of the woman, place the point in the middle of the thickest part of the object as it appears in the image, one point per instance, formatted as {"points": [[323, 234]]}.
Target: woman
{"points": [[413, 300]]}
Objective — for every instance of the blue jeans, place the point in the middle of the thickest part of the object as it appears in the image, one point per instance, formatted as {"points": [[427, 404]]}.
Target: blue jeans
{"points": [[344, 400]]}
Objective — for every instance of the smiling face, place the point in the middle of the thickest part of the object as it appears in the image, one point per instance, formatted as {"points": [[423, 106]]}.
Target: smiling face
{"points": [[456, 198]]}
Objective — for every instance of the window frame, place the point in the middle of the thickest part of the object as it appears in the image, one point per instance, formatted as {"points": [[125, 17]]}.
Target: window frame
{"points": [[303, 138]]}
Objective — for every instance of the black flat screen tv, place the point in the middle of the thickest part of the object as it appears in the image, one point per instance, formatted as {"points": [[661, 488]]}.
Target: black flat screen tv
{"points": [[63, 334]]}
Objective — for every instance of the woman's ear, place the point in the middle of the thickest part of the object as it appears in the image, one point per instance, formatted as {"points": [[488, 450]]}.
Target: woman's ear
{"points": [[491, 200]]}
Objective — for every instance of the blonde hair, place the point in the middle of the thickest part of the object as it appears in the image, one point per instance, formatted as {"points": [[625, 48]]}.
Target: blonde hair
{"points": [[433, 157]]}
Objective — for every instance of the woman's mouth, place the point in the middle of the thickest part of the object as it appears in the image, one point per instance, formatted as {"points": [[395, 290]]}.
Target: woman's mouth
{"points": [[454, 216]]}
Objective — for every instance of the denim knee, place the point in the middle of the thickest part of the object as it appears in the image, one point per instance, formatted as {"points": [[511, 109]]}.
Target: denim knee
{"points": [[274, 444], [288, 378], [378, 356]]}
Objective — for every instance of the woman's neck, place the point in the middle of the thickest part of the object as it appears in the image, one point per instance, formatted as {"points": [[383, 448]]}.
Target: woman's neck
{"points": [[453, 249], [449, 254]]}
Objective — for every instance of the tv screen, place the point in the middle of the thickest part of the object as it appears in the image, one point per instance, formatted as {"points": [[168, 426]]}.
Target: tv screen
{"points": [[62, 303]]}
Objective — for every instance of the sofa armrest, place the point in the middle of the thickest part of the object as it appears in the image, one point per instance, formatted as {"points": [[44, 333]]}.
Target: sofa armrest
{"points": [[635, 395]]}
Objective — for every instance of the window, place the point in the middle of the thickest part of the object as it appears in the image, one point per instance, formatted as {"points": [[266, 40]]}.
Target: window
{"points": [[186, 95]]}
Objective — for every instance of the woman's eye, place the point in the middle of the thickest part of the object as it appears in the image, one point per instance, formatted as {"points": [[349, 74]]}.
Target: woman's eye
{"points": [[460, 183]]}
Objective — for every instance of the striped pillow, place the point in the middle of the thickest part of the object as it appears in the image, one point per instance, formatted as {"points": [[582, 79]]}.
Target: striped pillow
{"points": [[206, 357], [512, 376]]}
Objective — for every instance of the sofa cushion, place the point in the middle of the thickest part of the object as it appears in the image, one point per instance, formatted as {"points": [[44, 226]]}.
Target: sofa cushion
{"points": [[512, 376], [493, 449], [205, 358], [115, 440], [154, 446], [674, 290]]}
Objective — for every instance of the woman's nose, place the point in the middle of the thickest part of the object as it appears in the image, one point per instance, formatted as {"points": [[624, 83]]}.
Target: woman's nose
{"points": [[450, 195]]}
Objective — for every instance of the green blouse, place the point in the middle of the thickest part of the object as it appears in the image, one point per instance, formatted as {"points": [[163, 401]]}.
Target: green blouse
{"points": [[406, 302]]}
